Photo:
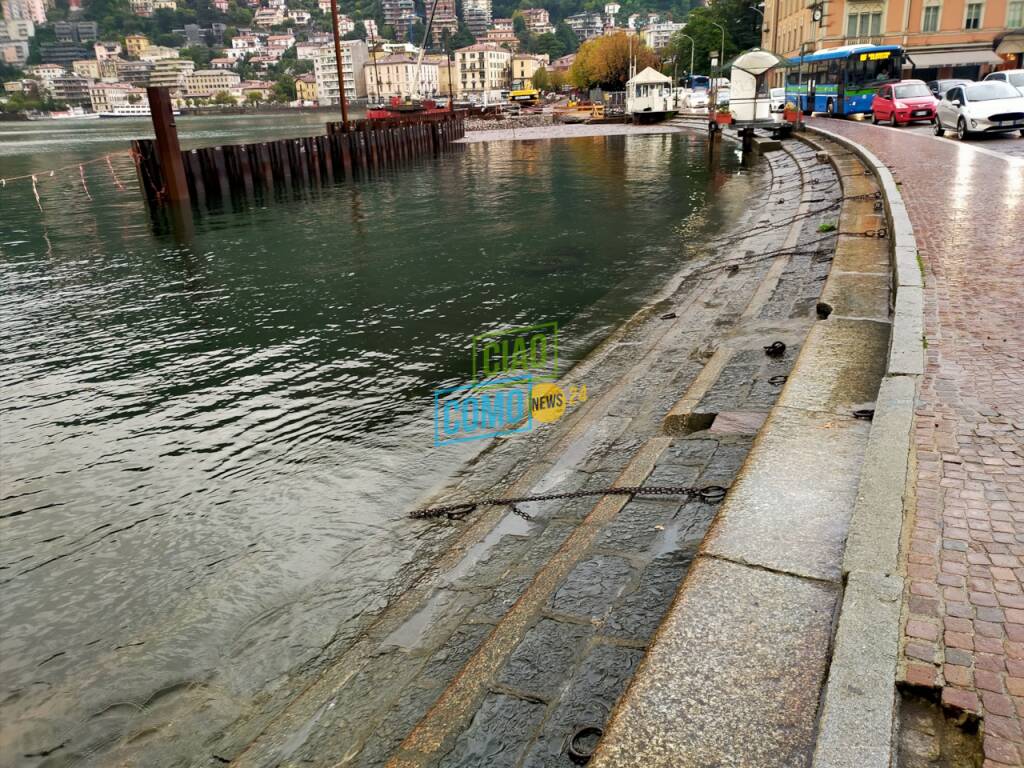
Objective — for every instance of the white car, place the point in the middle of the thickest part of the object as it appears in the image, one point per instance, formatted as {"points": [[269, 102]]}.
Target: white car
{"points": [[777, 100], [985, 107], [1014, 77], [697, 99]]}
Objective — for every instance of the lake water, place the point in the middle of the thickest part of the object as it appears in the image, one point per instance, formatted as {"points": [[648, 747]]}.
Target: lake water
{"points": [[209, 449]]}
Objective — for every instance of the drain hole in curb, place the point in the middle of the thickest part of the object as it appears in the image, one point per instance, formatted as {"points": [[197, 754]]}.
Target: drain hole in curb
{"points": [[824, 310], [688, 423]]}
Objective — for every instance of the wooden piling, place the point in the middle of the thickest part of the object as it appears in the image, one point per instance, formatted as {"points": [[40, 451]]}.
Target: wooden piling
{"points": [[168, 150]]}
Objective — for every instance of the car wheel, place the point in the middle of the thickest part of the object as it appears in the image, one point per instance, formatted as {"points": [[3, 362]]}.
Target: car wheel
{"points": [[937, 128], [874, 118], [961, 129], [892, 118], [1022, 133]]}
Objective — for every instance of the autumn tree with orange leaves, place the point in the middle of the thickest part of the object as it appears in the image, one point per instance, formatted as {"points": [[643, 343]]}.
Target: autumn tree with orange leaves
{"points": [[604, 61]]}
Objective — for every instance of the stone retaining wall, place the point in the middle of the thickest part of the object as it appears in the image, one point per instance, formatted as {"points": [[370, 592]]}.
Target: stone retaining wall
{"points": [[507, 123]]}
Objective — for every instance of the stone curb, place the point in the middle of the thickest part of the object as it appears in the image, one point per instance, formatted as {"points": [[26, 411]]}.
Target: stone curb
{"points": [[857, 714]]}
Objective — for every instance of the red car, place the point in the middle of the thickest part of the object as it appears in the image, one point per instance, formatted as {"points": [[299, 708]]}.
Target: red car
{"points": [[905, 102]]}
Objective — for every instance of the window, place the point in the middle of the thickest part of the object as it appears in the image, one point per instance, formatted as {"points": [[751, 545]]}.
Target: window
{"points": [[930, 20], [973, 18], [864, 24], [1015, 14]]}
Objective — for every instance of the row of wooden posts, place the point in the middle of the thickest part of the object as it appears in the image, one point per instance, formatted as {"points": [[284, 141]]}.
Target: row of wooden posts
{"points": [[243, 171]]}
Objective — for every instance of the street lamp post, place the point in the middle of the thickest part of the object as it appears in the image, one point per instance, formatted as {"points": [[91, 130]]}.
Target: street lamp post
{"points": [[721, 65], [691, 50], [721, 53]]}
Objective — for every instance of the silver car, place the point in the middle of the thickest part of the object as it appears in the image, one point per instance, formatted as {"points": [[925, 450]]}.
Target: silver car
{"points": [[986, 107]]}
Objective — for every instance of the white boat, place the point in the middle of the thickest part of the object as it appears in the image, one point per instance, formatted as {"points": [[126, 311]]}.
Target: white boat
{"points": [[650, 97], [74, 113], [132, 110]]}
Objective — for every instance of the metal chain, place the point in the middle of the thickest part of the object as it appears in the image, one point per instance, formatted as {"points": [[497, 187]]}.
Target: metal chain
{"points": [[709, 493]]}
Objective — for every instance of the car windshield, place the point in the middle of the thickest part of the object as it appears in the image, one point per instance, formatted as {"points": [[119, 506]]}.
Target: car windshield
{"points": [[991, 91], [1016, 78], [911, 91], [778, 93]]}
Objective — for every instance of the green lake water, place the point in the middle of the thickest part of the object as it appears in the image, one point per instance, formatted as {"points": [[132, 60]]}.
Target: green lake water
{"points": [[209, 448]]}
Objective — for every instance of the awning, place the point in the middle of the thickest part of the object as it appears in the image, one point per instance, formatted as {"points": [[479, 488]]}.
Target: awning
{"points": [[1011, 42], [924, 59]]}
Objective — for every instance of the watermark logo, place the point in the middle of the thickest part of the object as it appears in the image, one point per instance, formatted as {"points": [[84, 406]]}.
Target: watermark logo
{"points": [[516, 351], [478, 411], [513, 387]]}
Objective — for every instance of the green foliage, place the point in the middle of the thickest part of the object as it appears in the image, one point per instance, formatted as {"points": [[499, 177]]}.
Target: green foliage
{"points": [[568, 38], [550, 44], [284, 90], [9, 72], [541, 79], [224, 99], [253, 97], [826, 227], [462, 38], [200, 54], [20, 102], [741, 26]]}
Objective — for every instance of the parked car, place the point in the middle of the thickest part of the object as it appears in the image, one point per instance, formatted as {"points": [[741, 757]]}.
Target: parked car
{"points": [[904, 102], [776, 99], [986, 107], [939, 87], [696, 99], [1014, 77]]}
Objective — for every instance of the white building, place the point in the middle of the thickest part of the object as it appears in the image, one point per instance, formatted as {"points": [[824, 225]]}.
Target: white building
{"points": [[209, 82], [30, 10], [585, 25], [658, 36], [106, 96], [157, 53], [396, 76], [17, 29], [538, 20], [484, 70], [354, 55], [268, 17], [307, 51]]}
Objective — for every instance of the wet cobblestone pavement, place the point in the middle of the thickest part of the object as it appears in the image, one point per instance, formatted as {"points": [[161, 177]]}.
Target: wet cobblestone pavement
{"points": [[964, 610], [527, 630]]}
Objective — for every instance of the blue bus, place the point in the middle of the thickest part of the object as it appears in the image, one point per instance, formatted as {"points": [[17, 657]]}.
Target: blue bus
{"points": [[842, 81], [698, 82]]}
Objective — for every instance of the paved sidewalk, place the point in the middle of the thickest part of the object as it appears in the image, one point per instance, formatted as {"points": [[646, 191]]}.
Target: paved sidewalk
{"points": [[965, 624]]}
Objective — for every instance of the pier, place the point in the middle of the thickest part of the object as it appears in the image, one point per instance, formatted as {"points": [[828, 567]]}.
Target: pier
{"points": [[247, 171]]}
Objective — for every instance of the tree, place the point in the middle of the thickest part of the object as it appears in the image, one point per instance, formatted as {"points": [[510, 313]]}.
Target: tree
{"points": [[462, 38], [541, 80], [253, 98], [9, 71], [358, 33], [224, 99], [416, 32], [200, 54], [557, 80], [604, 61], [568, 38], [284, 90], [550, 44]]}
